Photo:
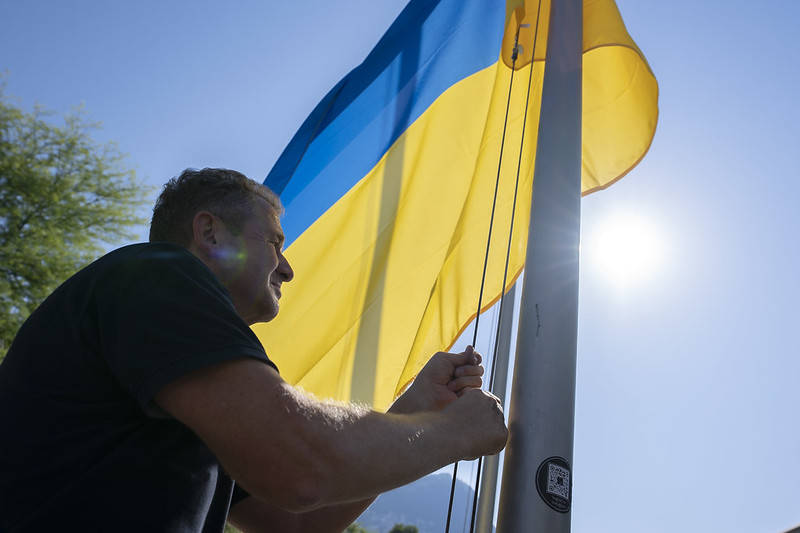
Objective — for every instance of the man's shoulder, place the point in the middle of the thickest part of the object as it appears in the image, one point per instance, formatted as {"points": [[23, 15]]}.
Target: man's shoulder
{"points": [[149, 252], [150, 259], [144, 273]]}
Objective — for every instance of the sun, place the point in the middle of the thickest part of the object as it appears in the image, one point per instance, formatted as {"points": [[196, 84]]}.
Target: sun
{"points": [[626, 248]]}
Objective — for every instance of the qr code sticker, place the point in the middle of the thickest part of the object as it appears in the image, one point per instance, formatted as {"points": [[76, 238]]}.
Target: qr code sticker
{"points": [[558, 481]]}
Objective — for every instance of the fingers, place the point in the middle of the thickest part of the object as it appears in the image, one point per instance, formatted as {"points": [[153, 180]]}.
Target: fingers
{"points": [[485, 429], [472, 382], [475, 358], [467, 357], [468, 370], [496, 400]]}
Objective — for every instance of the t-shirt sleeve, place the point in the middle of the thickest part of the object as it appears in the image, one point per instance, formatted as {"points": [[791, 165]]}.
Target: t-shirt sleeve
{"points": [[163, 315]]}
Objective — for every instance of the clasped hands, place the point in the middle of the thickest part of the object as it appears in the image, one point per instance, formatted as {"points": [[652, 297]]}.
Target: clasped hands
{"points": [[450, 384]]}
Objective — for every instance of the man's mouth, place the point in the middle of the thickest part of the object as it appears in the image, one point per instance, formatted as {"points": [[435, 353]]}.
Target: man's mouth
{"points": [[277, 287]]}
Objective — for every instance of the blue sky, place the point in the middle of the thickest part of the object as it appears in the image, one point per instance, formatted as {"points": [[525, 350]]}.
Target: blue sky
{"points": [[687, 402]]}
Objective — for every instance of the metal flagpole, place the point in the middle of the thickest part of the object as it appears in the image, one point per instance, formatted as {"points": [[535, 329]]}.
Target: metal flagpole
{"points": [[536, 491], [488, 487]]}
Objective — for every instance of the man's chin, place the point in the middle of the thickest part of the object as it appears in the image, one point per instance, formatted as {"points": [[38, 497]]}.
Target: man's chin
{"points": [[272, 312], [264, 315]]}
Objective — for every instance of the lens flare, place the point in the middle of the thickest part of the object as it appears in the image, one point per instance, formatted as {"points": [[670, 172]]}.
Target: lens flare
{"points": [[626, 248]]}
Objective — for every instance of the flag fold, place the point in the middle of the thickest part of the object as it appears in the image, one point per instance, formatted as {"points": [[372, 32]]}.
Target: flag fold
{"points": [[388, 185]]}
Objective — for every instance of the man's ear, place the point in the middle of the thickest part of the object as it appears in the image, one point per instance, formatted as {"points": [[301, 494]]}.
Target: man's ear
{"points": [[205, 228]]}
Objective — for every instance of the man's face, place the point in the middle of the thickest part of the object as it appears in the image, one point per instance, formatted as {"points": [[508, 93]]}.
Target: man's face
{"points": [[252, 264]]}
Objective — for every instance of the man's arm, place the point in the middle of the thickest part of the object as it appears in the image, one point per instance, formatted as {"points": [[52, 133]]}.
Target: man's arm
{"points": [[298, 454], [445, 377], [256, 516], [252, 515]]}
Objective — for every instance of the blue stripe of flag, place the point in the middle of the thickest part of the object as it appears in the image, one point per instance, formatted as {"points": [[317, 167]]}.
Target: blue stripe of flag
{"points": [[430, 46]]}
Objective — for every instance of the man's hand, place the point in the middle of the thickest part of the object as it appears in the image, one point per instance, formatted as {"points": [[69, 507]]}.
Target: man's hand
{"points": [[441, 381], [477, 417]]}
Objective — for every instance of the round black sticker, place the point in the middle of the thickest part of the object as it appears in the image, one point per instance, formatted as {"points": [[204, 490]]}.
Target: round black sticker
{"points": [[554, 484]]}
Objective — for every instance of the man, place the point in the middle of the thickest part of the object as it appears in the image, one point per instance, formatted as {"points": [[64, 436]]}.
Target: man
{"points": [[136, 393]]}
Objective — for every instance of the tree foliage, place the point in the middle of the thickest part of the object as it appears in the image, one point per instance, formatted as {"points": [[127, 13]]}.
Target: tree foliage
{"points": [[355, 528], [63, 199], [402, 528]]}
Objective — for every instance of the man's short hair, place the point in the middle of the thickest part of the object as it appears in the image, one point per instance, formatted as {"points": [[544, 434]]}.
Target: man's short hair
{"points": [[226, 193]]}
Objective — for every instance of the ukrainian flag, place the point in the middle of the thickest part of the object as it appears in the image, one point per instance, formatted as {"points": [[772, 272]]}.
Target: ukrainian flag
{"points": [[388, 185]]}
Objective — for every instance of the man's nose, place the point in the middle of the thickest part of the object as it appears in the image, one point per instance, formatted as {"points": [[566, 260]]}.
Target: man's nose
{"points": [[285, 269]]}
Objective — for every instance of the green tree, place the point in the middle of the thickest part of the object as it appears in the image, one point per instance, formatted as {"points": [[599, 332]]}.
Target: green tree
{"points": [[402, 528], [355, 528], [63, 199]]}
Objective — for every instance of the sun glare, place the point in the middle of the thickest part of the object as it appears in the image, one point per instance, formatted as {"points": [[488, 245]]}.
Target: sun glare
{"points": [[625, 248]]}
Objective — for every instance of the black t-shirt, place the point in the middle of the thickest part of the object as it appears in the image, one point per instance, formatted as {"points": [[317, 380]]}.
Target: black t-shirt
{"points": [[84, 448]]}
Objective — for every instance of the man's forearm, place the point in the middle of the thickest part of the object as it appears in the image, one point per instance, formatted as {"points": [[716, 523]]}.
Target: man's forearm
{"points": [[254, 516], [336, 518], [363, 453]]}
